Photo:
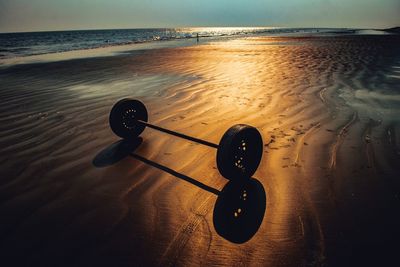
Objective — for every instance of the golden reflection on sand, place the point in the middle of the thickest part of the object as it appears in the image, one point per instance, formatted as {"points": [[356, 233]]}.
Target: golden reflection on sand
{"points": [[287, 87]]}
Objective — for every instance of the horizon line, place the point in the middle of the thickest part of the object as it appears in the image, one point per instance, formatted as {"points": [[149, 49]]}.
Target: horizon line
{"points": [[184, 27]]}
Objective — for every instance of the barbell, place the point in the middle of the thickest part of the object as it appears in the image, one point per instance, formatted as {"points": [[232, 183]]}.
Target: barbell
{"points": [[239, 151]]}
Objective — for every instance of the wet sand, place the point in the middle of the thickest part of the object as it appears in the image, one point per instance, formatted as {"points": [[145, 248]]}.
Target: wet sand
{"points": [[328, 109]]}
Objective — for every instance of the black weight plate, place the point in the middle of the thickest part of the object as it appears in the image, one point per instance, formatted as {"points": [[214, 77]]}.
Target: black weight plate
{"points": [[239, 210], [124, 115], [239, 152]]}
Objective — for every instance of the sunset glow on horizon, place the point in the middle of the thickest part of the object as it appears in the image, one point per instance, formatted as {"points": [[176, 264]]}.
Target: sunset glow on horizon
{"points": [[44, 15]]}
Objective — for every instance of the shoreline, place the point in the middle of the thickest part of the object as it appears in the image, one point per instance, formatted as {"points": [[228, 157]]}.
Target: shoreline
{"points": [[116, 49]]}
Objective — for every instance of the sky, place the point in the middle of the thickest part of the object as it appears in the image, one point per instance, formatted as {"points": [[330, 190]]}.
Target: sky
{"points": [[44, 15]]}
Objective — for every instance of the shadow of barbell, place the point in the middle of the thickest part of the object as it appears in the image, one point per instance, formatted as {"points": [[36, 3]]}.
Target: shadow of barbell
{"points": [[240, 206]]}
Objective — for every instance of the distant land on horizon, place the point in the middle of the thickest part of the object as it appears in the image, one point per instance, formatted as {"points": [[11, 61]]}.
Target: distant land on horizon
{"points": [[393, 30]]}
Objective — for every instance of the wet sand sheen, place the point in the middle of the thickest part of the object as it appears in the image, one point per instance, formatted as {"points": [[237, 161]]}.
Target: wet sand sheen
{"points": [[329, 168]]}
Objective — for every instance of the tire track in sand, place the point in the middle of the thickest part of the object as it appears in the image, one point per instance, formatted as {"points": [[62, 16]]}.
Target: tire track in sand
{"points": [[171, 254], [339, 140]]}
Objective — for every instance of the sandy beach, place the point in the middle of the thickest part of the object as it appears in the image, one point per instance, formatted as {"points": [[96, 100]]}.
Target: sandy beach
{"points": [[328, 109]]}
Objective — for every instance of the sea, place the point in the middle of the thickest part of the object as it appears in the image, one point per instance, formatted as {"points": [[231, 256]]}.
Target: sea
{"points": [[37, 43]]}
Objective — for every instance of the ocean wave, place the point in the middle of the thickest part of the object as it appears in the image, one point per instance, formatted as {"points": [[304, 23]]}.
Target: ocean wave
{"points": [[38, 43]]}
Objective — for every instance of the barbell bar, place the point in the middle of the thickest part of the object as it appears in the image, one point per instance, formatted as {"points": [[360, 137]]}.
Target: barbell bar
{"points": [[239, 151]]}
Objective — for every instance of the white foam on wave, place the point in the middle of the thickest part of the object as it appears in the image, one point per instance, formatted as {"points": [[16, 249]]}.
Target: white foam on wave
{"points": [[395, 73], [372, 32]]}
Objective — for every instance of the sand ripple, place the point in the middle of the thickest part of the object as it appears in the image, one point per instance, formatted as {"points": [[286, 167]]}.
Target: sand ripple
{"points": [[328, 110]]}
